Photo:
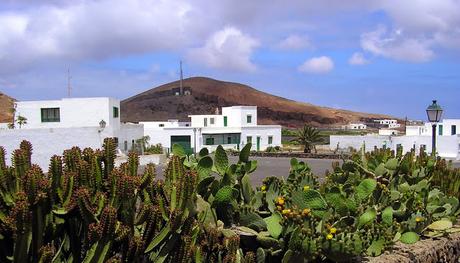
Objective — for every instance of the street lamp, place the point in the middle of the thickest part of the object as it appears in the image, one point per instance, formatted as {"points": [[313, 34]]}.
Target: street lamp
{"points": [[434, 112], [102, 125]]}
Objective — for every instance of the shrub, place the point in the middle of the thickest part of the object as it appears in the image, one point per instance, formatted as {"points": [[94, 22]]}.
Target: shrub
{"points": [[206, 210], [154, 149]]}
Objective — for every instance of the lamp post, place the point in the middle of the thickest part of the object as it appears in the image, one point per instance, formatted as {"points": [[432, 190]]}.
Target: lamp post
{"points": [[102, 125], [434, 113]]}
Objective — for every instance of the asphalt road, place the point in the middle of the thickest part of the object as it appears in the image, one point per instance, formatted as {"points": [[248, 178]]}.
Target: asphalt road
{"points": [[279, 166], [276, 166]]}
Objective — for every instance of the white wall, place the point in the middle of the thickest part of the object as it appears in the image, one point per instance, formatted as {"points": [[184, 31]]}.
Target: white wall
{"points": [[237, 115], [128, 133], [388, 132], [159, 125], [4, 126], [198, 120], [446, 146], [427, 129], [415, 130], [48, 142], [163, 136], [263, 132], [74, 112]]}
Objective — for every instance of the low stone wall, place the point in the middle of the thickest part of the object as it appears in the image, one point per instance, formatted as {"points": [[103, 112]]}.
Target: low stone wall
{"points": [[445, 249], [297, 155]]}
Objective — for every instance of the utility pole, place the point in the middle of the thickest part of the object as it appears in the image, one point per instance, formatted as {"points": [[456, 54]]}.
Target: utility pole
{"points": [[69, 87], [181, 77]]}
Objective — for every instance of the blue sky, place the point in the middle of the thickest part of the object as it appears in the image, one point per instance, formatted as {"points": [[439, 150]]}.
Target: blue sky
{"points": [[381, 56]]}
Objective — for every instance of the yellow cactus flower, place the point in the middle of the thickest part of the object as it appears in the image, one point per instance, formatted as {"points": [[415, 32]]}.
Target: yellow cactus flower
{"points": [[306, 188], [286, 211], [306, 212], [280, 200], [263, 188], [418, 219], [333, 230], [329, 236]]}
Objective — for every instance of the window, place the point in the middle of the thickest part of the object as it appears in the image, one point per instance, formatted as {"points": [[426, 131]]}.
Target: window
{"points": [[248, 118], [225, 121], [454, 129], [161, 125], [205, 122], [229, 140], [440, 130], [270, 139], [249, 139], [187, 125], [50, 115], [210, 141], [115, 112], [211, 120]]}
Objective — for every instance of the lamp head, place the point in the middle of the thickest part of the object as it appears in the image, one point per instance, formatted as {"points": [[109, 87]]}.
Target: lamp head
{"points": [[434, 112]]}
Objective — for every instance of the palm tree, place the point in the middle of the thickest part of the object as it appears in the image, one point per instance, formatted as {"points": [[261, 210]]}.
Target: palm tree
{"points": [[308, 137], [21, 121]]}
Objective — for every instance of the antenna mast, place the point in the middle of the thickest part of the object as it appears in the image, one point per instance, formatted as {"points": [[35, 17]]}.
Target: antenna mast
{"points": [[181, 77], [69, 87]]}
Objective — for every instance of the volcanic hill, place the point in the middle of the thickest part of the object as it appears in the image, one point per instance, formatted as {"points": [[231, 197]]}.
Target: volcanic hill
{"points": [[6, 108], [201, 95]]}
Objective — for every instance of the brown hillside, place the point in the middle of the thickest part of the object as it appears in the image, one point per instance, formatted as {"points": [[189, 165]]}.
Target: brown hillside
{"points": [[6, 106], [203, 95]]}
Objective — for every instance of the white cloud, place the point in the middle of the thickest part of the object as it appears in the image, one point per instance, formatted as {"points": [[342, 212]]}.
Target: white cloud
{"points": [[94, 30], [228, 48], [418, 29], [295, 42], [397, 45], [317, 65], [358, 59]]}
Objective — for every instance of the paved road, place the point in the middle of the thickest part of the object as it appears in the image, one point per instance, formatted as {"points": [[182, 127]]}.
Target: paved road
{"points": [[276, 166], [279, 166]]}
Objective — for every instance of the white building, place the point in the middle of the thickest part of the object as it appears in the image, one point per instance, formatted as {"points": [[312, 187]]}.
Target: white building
{"points": [[356, 126], [447, 127], [388, 132], [236, 126], [389, 123], [55, 125], [447, 140]]}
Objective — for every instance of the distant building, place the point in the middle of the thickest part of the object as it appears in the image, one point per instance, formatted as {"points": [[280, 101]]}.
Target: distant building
{"points": [[355, 126], [233, 128], [388, 132], [387, 123], [55, 125], [417, 136]]}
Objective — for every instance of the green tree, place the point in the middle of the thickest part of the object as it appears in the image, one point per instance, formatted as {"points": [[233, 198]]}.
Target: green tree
{"points": [[308, 137], [21, 121]]}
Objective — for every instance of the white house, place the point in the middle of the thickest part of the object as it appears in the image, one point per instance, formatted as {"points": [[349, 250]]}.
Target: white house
{"points": [[447, 145], [389, 123], [388, 132], [447, 127], [356, 126], [233, 128], [55, 125]]}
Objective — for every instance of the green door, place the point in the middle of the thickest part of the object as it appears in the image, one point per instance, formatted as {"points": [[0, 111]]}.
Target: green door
{"points": [[258, 143], [184, 141]]}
